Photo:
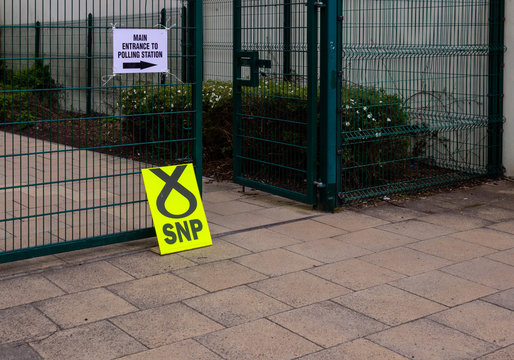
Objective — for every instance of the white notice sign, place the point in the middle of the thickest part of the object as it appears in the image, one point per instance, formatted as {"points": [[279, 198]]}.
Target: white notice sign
{"points": [[140, 51]]}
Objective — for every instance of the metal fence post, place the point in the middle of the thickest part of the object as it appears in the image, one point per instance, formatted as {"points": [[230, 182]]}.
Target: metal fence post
{"points": [[287, 40], [328, 105], [89, 61], [163, 24], [37, 49], [184, 36], [495, 85], [197, 79]]}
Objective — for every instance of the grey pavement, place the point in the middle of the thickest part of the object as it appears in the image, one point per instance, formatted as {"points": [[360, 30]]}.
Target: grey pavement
{"points": [[421, 278]]}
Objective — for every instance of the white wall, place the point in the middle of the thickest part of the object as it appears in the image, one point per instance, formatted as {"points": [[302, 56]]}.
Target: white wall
{"points": [[508, 134]]}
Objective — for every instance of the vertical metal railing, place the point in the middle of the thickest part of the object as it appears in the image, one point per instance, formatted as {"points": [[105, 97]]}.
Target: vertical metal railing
{"points": [[74, 136]]}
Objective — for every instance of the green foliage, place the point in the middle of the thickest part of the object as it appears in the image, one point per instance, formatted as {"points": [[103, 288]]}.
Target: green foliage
{"points": [[375, 134], [276, 111], [26, 92], [37, 76]]}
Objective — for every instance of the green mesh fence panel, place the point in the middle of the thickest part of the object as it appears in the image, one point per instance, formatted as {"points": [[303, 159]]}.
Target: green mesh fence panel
{"points": [[415, 84], [275, 94], [73, 137]]}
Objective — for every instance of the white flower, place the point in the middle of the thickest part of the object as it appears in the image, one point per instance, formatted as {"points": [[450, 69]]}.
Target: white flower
{"points": [[347, 123], [365, 108], [370, 116], [347, 106], [357, 112], [378, 134], [388, 120]]}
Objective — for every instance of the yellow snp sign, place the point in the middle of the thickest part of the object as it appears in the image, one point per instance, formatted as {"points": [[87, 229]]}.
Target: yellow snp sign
{"points": [[176, 207]]}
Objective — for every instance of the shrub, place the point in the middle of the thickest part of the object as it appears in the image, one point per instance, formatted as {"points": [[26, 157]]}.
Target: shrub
{"points": [[26, 93], [375, 136], [275, 110]]}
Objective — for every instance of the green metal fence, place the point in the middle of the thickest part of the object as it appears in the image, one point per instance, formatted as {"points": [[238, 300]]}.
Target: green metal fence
{"points": [[334, 102], [73, 137], [275, 96], [420, 88]]}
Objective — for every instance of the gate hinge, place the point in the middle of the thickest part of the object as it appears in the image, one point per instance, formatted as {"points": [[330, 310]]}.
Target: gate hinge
{"points": [[340, 18]]}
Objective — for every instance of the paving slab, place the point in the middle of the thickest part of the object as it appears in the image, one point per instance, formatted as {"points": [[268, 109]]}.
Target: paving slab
{"points": [[506, 226], [503, 354], [427, 340], [148, 263], [355, 350], [183, 350], [490, 213], [417, 229], [351, 220], [260, 240], [455, 220], [482, 320], [299, 288], [76, 343], [487, 237], [87, 276], [237, 305], [375, 239], [24, 323], [327, 250], [506, 257], [406, 261], [156, 290], [308, 230], [257, 340], [240, 221], [443, 288], [287, 213], [16, 351], [391, 213], [355, 274], [451, 248], [232, 207], [220, 250], [165, 325], [487, 272], [389, 305], [276, 262], [84, 307], [503, 298], [327, 323], [220, 275], [29, 265], [26, 289]]}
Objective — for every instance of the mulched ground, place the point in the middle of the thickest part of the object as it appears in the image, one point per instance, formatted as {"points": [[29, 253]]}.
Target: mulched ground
{"points": [[105, 136]]}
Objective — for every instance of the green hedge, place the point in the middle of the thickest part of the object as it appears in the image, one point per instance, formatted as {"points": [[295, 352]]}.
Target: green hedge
{"points": [[365, 110], [27, 92]]}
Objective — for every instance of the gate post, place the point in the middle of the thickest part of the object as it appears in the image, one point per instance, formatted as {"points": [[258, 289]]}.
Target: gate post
{"points": [[328, 150], [197, 78], [495, 93]]}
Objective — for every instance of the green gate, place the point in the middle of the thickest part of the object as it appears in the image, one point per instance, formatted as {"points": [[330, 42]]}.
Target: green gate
{"points": [[419, 100], [275, 96], [74, 136]]}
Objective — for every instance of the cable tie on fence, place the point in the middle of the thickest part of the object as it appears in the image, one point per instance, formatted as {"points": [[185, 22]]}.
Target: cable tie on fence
{"points": [[107, 78], [168, 73], [166, 27], [113, 25]]}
